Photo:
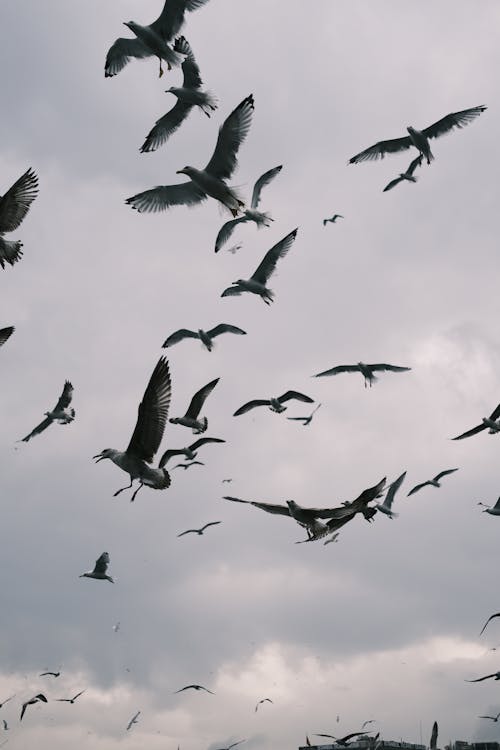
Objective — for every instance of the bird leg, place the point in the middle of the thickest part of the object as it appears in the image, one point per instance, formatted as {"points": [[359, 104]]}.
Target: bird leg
{"points": [[124, 488], [135, 493]]}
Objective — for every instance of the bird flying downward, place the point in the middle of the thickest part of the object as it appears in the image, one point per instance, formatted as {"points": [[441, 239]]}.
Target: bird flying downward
{"points": [[256, 284], [210, 181], [332, 220], [100, 568], [6, 333], [49, 674], [491, 617], [194, 687], [366, 370], [61, 413], [264, 700], [190, 451], [405, 176], [14, 205], [190, 418], [133, 720], [491, 423], [38, 698], [419, 138], [199, 531], [434, 737], [147, 435], [206, 337], [434, 482], [495, 675], [71, 700], [274, 404]]}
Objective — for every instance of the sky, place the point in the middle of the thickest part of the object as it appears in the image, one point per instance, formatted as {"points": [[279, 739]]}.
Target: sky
{"points": [[381, 625]]}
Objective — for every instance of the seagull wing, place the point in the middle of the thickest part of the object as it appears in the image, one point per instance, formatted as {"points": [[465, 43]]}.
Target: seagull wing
{"points": [[224, 328], [251, 405], [497, 614], [78, 694], [495, 413], [414, 164], [268, 264], [203, 441], [393, 488], [190, 69], [231, 135], [188, 531], [295, 395], [40, 697], [380, 149], [444, 473], [38, 429], [6, 333], [65, 397], [199, 399], [182, 333], [212, 523], [392, 184], [25, 705], [453, 120], [262, 182], [417, 488], [171, 19], [473, 431], [14, 205], [120, 53], [281, 510], [434, 736], [227, 230], [153, 412], [382, 367], [232, 291], [372, 493], [165, 126], [317, 734], [337, 370], [101, 564], [480, 679], [169, 454], [163, 196]]}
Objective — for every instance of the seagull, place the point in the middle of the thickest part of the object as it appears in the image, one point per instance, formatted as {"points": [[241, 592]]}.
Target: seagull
{"points": [[189, 95], [224, 481], [316, 530], [100, 568], [5, 725], [147, 435], [493, 718], [305, 420], [232, 745], [70, 700], [434, 737], [7, 700], [275, 404], [419, 138], [408, 175], [206, 337], [209, 181], [431, 482], [259, 218], [386, 506], [190, 418], [152, 40], [14, 205], [370, 721], [38, 698], [494, 511], [133, 720], [497, 614], [49, 674], [6, 333], [343, 741], [495, 675], [264, 700], [199, 531], [256, 284], [186, 466], [60, 413], [332, 220], [366, 370], [190, 451], [492, 423], [194, 687]]}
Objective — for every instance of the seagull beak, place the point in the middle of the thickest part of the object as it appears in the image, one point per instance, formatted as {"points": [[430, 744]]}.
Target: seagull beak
{"points": [[180, 171], [99, 457]]}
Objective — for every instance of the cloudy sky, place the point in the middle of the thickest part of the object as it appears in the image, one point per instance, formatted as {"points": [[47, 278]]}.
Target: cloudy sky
{"points": [[385, 623]]}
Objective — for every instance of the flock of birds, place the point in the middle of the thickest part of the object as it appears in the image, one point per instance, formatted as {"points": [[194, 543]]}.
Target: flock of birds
{"points": [[160, 40]]}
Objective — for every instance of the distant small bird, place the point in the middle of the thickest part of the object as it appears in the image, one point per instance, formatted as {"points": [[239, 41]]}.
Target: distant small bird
{"points": [[38, 698], [70, 700], [305, 420], [116, 627], [2, 704], [229, 747], [6, 333], [494, 511], [5, 725], [226, 481], [133, 720], [343, 741], [332, 220], [491, 617], [434, 737], [14, 205], [206, 337], [369, 721], [264, 700], [194, 687], [190, 451], [199, 531], [190, 418], [366, 370], [405, 176], [431, 482], [100, 568], [61, 413], [493, 718], [49, 674], [386, 506], [495, 675], [187, 466], [491, 423], [274, 404]]}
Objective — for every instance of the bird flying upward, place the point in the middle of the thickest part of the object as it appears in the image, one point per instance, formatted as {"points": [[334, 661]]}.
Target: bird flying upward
{"points": [[332, 220], [434, 482], [366, 370], [206, 337], [274, 404], [14, 205], [61, 413], [386, 506], [191, 417]]}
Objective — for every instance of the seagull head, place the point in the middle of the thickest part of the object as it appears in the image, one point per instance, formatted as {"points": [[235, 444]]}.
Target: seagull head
{"points": [[185, 170], [131, 25], [106, 453]]}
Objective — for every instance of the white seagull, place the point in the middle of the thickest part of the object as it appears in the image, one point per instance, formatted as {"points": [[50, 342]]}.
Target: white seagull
{"points": [[256, 284], [190, 451], [133, 720], [188, 96], [209, 181], [386, 506], [274, 404], [405, 176], [199, 531], [434, 482], [147, 435], [333, 220], [366, 370], [100, 568], [61, 413], [206, 337], [261, 219], [493, 511], [14, 205], [491, 423], [419, 138], [191, 417]]}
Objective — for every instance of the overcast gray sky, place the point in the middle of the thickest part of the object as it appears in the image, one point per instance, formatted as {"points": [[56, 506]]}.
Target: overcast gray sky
{"points": [[381, 625]]}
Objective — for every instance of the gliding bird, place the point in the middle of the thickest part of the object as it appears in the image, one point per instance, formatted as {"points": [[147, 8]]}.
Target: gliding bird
{"points": [[494, 511], [100, 568], [199, 531], [190, 418], [495, 675], [366, 370], [274, 404], [408, 175], [386, 506], [70, 700], [49, 674], [493, 718], [194, 687], [206, 337], [332, 220], [190, 451], [14, 205], [187, 466], [434, 482], [264, 700], [37, 699], [60, 413], [492, 423]]}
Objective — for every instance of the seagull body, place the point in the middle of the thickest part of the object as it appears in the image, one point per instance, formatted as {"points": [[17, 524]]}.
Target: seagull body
{"points": [[494, 511], [199, 531], [274, 404], [14, 205], [209, 181], [434, 482], [491, 423], [406, 176], [187, 466], [264, 700], [188, 95], [260, 218], [147, 435], [190, 451], [61, 413], [194, 687], [256, 284], [386, 506], [70, 700], [206, 337], [419, 138], [495, 675], [37, 699], [133, 720], [332, 220], [100, 568], [366, 370], [492, 617], [305, 420], [49, 674], [191, 417]]}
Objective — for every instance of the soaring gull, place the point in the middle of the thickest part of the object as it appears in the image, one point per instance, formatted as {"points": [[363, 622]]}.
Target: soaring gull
{"points": [[434, 482], [14, 205], [209, 181], [494, 511], [493, 718], [100, 568], [256, 284], [191, 417], [386, 506], [199, 531], [61, 413], [343, 741], [40, 698], [333, 219], [491, 423], [405, 176], [366, 370], [70, 700], [194, 687], [49, 674], [274, 404], [189, 451], [206, 337], [188, 96], [259, 218], [419, 138]]}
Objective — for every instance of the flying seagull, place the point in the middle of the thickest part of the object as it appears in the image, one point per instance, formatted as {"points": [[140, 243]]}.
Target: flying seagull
{"points": [[70, 700], [38, 698], [366, 370], [116, 627], [61, 413], [494, 511], [256, 284], [493, 718], [188, 95], [194, 687], [133, 720], [147, 435], [14, 205], [49, 674], [190, 451], [434, 482], [100, 568], [206, 337], [495, 675], [343, 741], [259, 218], [224, 481], [497, 614], [332, 220], [386, 506], [229, 747], [492, 423], [6, 333], [274, 404], [419, 138], [405, 176], [305, 420], [152, 40], [264, 700], [199, 531], [369, 721], [187, 466], [434, 736], [190, 418], [209, 181]]}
